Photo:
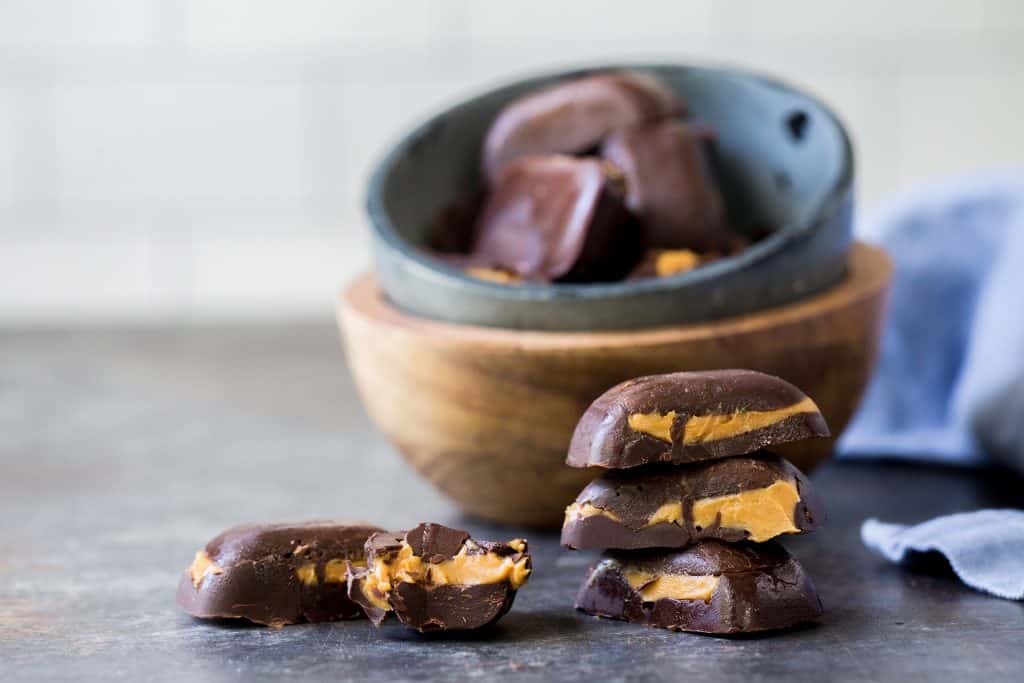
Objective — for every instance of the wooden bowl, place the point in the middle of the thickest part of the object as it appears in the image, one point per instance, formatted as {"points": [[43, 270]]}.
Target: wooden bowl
{"points": [[486, 414]]}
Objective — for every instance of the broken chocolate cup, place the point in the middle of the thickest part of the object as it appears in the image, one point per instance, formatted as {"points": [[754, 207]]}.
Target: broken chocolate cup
{"points": [[573, 116], [711, 587], [670, 185], [752, 498], [691, 416], [276, 574], [439, 579], [557, 218]]}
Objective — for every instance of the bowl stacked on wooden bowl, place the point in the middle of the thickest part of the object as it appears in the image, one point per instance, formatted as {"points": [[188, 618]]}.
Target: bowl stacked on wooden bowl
{"points": [[479, 384]]}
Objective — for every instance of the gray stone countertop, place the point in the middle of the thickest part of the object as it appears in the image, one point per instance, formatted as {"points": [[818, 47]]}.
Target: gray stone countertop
{"points": [[122, 452]]}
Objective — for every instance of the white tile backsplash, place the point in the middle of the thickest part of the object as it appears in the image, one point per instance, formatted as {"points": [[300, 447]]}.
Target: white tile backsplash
{"points": [[260, 25], [613, 21], [210, 143], [185, 159], [7, 146], [953, 123], [295, 276], [76, 279], [873, 18], [60, 24]]}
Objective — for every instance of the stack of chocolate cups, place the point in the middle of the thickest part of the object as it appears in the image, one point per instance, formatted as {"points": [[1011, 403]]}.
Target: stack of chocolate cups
{"points": [[691, 502]]}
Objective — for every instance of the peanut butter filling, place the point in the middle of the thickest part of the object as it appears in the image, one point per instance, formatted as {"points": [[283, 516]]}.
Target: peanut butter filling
{"points": [[584, 510], [704, 428], [336, 571], [502, 277], [675, 261], [763, 513], [307, 574], [201, 566], [464, 569], [669, 513], [654, 424], [674, 586]]}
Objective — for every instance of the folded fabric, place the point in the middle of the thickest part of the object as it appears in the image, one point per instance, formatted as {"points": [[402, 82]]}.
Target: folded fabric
{"points": [[950, 379], [984, 548]]}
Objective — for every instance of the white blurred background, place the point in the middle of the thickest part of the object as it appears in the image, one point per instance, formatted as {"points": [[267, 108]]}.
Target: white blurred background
{"points": [[177, 161]]}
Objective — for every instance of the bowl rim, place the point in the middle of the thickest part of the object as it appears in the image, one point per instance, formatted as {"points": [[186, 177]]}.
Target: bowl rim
{"points": [[869, 276], [427, 268]]}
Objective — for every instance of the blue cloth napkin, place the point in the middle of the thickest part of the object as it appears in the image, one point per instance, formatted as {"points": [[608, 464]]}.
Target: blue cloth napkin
{"points": [[984, 548], [950, 379]]}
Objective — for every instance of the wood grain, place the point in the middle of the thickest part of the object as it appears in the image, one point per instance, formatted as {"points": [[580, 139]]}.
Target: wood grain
{"points": [[486, 414]]}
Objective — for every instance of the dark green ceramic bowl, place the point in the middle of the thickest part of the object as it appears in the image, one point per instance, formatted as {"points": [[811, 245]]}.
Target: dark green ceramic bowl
{"points": [[783, 159]]}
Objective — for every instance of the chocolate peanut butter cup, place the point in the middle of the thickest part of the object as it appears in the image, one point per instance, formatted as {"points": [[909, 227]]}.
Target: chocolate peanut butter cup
{"points": [[754, 498], [669, 185], [711, 587], [439, 579], [692, 416], [276, 574], [557, 218], [574, 116]]}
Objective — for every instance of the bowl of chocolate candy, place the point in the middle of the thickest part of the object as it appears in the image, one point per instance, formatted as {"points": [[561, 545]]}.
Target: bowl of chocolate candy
{"points": [[546, 240]]}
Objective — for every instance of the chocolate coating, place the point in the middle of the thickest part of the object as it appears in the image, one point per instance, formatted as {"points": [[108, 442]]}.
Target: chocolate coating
{"points": [[436, 542], [451, 608], [634, 495], [603, 437], [558, 218], [258, 577], [446, 607], [760, 588], [670, 185], [574, 116]]}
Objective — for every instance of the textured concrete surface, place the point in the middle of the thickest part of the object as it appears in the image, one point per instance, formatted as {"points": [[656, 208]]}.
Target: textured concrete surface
{"points": [[121, 452]]}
